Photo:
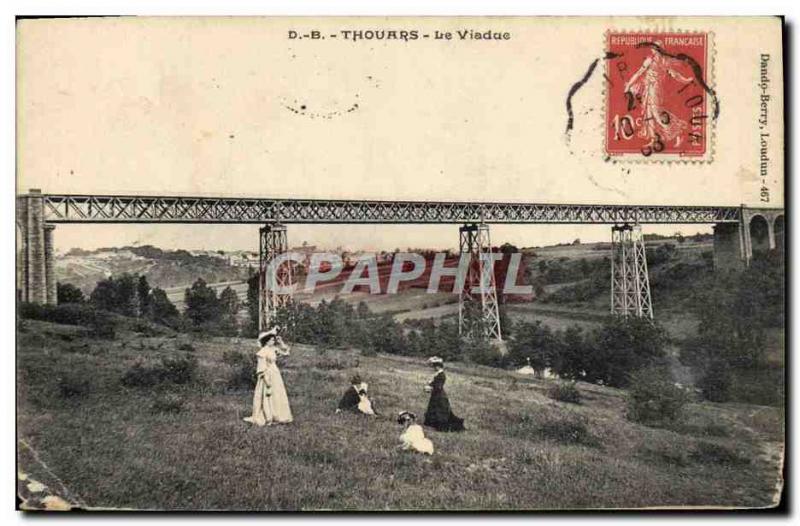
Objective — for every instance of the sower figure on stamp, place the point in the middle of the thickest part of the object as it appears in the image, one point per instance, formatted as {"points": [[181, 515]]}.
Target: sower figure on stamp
{"points": [[270, 401], [647, 86], [439, 415]]}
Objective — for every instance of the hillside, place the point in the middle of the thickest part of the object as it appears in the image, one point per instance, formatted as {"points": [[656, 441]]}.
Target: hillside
{"points": [[185, 446], [164, 268]]}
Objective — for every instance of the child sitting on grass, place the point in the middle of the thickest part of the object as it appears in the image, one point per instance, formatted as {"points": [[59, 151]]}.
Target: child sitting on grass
{"points": [[413, 437]]}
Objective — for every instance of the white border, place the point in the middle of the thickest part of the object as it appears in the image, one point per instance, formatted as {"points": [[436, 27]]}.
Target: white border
{"points": [[10, 8]]}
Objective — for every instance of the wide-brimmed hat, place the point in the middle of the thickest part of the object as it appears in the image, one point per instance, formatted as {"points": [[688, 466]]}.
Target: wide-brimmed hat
{"points": [[404, 416], [266, 334], [435, 360]]}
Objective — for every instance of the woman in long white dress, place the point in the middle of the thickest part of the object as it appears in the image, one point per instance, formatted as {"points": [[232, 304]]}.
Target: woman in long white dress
{"points": [[270, 401]]}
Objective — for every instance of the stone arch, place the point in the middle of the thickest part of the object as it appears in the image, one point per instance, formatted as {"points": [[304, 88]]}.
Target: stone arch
{"points": [[779, 228], [759, 234]]}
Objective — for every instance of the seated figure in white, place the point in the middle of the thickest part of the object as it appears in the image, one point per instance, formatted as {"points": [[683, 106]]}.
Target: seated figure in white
{"points": [[413, 437]]}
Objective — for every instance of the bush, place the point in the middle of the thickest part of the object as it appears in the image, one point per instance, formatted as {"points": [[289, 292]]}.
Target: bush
{"points": [[570, 429], [68, 293], [712, 453], [180, 370], [103, 326], [666, 452], [327, 363], [169, 404], [369, 351], [623, 345], [660, 255], [482, 352], [161, 310], [716, 381], [564, 392], [101, 323], [535, 342], [140, 375], [188, 347], [243, 369], [653, 397], [73, 385], [116, 294], [385, 335], [736, 308], [68, 314], [147, 329], [582, 291]]}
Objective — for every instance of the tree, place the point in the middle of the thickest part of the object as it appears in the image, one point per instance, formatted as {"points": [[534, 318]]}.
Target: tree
{"points": [[362, 310], [660, 255], [161, 310], [623, 345], [230, 302], [104, 295], [68, 293], [737, 309], [508, 248], [481, 351], [571, 360], [229, 307], [446, 341], [716, 380], [385, 335], [535, 341], [252, 300], [653, 396], [202, 304], [126, 294], [143, 296], [116, 295]]}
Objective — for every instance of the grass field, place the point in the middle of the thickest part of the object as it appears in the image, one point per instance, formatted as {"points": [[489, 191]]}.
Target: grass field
{"points": [[115, 447]]}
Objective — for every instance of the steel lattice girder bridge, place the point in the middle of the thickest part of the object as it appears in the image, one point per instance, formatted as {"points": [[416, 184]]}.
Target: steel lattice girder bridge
{"points": [[66, 208]]}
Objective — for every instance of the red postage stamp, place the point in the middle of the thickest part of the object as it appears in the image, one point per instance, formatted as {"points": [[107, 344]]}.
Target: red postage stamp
{"points": [[659, 105]]}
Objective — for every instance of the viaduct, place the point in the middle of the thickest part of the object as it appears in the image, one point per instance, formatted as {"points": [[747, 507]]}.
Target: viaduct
{"points": [[739, 231]]}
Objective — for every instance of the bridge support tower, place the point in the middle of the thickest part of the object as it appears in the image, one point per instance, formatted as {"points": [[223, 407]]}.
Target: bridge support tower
{"points": [[36, 280], [477, 300], [273, 242], [630, 284]]}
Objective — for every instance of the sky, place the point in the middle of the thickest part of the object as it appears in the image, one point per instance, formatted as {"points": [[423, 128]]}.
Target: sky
{"points": [[352, 237], [236, 107]]}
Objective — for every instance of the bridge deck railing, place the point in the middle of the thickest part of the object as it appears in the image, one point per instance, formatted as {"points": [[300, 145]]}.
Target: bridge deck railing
{"points": [[163, 209]]}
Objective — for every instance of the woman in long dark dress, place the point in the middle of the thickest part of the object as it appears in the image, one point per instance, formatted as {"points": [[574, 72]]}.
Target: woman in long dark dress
{"points": [[439, 415]]}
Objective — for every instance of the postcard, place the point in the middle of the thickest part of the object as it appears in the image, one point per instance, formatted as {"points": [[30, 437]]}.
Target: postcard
{"points": [[400, 264]]}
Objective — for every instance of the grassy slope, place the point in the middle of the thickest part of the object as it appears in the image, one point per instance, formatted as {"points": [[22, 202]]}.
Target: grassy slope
{"points": [[109, 448]]}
